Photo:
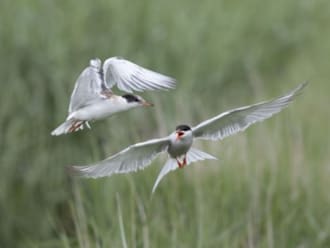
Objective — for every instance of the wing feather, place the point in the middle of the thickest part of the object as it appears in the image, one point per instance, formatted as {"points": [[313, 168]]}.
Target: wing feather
{"points": [[87, 89], [133, 158], [236, 120], [132, 77]]}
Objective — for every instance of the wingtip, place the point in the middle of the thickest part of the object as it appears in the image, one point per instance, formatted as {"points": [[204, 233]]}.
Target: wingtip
{"points": [[305, 83], [214, 158], [169, 84], [301, 86], [298, 90], [172, 82], [72, 170]]}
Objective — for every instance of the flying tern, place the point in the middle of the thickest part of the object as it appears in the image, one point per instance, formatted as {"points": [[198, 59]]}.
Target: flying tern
{"points": [[93, 99], [178, 145]]}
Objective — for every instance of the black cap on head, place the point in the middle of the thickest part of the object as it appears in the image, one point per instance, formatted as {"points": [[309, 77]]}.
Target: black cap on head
{"points": [[183, 128], [131, 98]]}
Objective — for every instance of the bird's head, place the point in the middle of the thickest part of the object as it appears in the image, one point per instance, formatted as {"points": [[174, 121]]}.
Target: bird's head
{"points": [[135, 101], [182, 131]]}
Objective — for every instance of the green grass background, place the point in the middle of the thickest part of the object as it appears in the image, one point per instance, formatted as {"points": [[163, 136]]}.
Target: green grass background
{"points": [[270, 187]]}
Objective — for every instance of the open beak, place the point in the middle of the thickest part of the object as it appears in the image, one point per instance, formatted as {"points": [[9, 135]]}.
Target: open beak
{"points": [[147, 104], [179, 135]]}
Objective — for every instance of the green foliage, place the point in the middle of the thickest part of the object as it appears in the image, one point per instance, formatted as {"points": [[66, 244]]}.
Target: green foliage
{"points": [[269, 188]]}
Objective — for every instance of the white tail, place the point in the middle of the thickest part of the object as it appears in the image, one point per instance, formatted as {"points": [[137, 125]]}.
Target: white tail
{"points": [[196, 155], [67, 127], [171, 164]]}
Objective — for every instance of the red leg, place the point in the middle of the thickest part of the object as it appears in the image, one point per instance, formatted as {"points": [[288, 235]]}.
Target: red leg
{"points": [[179, 163], [184, 162], [75, 126], [71, 129], [78, 126]]}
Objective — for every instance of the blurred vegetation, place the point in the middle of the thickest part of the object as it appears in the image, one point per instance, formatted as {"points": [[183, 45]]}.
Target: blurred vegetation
{"points": [[270, 186]]}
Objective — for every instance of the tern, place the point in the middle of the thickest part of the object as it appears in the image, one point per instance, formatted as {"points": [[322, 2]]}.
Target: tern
{"points": [[178, 145], [93, 99]]}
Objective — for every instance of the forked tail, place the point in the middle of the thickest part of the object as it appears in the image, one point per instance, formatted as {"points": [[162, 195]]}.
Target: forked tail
{"points": [[68, 126], [171, 164]]}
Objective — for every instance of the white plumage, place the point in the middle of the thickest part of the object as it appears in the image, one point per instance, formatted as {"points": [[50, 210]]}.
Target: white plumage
{"points": [[93, 99], [178, 144]]}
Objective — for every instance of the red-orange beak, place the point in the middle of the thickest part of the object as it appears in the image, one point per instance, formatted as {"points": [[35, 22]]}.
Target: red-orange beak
{"points": [[179, 134]]}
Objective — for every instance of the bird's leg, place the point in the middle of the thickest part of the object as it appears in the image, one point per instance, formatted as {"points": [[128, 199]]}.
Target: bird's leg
{"points": [[75, 126], [184, 162], [71, 129], [179, 163], [79, 126]]}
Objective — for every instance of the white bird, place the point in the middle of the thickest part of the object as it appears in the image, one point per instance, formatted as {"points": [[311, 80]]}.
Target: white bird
{"points": [[93, 99], [178, 144]]}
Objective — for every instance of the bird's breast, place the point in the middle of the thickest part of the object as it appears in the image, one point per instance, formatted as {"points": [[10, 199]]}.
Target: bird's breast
{"points": [[100, 110], [179, 147]]}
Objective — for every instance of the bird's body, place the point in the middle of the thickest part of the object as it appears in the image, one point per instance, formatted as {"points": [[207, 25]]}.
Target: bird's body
{"points": [[101, 109], [92, 97], [178, 145]]}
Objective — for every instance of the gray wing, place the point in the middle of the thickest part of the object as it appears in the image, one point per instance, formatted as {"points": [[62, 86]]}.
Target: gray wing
{"points": [[236, 120], [87, 89], [133, 158], [131, 77]]}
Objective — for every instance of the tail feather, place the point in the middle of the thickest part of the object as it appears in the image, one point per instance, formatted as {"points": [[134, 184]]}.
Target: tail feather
{"points": [[171, 164], [67, 127], [196, 155]]}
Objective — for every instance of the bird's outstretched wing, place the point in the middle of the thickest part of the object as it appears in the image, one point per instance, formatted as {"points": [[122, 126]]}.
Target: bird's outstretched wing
{"points": [[87, 89], [133, 158], [236, 120], [131, 77]]}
